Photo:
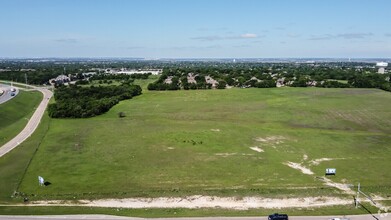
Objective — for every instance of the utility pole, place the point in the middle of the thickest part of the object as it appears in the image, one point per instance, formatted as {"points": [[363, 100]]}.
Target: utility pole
{"points": [[25, 77], [358, 193]]}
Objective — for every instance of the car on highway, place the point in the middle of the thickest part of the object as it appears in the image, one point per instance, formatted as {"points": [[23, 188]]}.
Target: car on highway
{"points": [[277, 216], [12, 94]]}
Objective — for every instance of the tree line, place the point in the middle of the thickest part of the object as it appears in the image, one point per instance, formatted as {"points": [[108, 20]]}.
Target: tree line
{"points": [[36, 77], [269, 76], [82, 102], [227, 74]]}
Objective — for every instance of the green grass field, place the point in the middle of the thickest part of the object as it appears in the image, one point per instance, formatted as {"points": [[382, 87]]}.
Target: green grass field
{"points": [[176, 143], [15, 113]]}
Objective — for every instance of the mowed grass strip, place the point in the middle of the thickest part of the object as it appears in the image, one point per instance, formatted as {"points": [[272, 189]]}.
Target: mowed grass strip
{"points": [[176, 143], [15, 113]]}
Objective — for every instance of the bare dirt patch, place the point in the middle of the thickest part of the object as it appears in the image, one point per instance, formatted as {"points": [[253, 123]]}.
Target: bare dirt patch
{"points": [[271, 139], [300, 167], [198, 201], [257, 149], [341, 186], [346, 188], [318, 161]]}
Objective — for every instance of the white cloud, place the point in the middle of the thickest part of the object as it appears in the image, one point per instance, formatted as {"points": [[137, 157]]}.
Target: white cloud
{"points": [[347, 36], [248, 35]]}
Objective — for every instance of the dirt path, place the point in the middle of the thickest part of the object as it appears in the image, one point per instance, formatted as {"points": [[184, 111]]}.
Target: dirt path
{"points": [[197, 201], [300, 167], [345, 188]]}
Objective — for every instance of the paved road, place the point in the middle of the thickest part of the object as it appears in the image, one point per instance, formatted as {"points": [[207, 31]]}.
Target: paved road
{"points": [[108, 217], [32, 124], [7, 93], [70, 217]]}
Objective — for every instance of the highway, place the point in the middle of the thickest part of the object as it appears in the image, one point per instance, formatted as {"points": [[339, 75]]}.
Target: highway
{"points": [[32, 124], [7, 93], [108, 217]]}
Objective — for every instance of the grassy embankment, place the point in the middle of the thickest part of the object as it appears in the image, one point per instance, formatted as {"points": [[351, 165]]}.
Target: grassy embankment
{"points": [[14, 116], [15, 113]]}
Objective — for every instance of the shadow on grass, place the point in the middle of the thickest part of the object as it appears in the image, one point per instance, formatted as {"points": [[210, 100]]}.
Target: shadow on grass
{"points": [[368, 211]]}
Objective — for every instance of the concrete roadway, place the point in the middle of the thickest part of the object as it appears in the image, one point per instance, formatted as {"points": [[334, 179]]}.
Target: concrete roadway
{"points": [[7, 93], [108, 217], [32, 124]]}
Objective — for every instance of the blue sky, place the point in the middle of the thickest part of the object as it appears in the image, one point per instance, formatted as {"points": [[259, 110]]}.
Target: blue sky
{"points": [[196, 28]]}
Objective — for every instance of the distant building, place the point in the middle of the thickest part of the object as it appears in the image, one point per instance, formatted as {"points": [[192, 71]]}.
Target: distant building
{"points": [[382, 67], [255, 79], [60, 79], [191, 78], [88, 74], [134, 71], [211, 81], [311, 83], [280, 82], [168, 80]]}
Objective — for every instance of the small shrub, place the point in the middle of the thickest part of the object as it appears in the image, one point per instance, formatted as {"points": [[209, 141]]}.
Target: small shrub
{"points": [[121, 114]]}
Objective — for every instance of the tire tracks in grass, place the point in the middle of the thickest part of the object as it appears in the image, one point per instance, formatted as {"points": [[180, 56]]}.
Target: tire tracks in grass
{"points": [[34, 153]]}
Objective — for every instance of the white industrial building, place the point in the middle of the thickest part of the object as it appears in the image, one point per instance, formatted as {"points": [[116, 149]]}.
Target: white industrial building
{"points": [[134, 71], [382, 67]]}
